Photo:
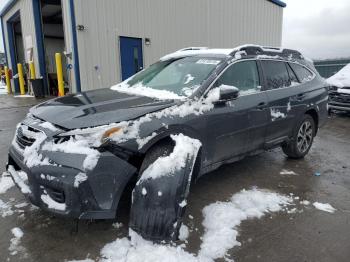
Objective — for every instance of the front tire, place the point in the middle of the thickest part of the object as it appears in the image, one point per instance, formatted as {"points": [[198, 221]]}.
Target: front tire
{"points": [[159, 204], [303, 136]]}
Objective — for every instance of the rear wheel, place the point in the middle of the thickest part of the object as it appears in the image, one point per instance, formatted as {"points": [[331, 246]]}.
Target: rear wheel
{"points": [[302, 139]]}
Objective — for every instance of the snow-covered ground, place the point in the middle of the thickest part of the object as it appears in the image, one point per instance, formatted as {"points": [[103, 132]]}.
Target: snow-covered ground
{"points": [[3, 89], [221, 221]]}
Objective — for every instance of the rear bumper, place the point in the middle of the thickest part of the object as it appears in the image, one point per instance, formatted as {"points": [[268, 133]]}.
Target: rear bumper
{"points": [[96, 197]]}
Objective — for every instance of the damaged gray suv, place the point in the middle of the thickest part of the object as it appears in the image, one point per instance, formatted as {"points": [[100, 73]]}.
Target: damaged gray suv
{"points": [[152, 136]]}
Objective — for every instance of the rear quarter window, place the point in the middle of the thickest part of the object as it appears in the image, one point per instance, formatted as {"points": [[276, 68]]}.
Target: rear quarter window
{"points": [[302, 73]]}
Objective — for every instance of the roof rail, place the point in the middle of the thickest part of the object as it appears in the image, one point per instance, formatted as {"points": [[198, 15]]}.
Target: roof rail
{"points": [[193, 48], [253, 50]]}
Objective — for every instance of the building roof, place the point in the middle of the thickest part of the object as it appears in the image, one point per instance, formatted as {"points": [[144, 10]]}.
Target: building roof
{"points": [[11, 3], [278, 2], [7, 7]]}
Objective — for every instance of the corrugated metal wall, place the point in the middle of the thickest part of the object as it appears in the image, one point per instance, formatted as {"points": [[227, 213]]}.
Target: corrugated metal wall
{"points": [[28, 29], [67, 27], [170, 25]]}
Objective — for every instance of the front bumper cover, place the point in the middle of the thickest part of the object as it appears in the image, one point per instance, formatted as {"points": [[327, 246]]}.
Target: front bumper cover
{"points": [[95, 198]]}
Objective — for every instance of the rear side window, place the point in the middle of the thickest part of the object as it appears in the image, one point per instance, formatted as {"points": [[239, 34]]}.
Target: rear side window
{"points": [[302, 73], [276, 74], [243, 75]]}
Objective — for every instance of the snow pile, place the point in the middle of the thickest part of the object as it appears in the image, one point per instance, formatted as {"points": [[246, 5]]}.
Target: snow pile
{"points": [[276, 114], [31, 157], [287, 172], [3, 88], [20, 177], [79, 178], [5, 209], [324, 207], [141, 90], [186, 53], [221, 219], [76, 145], [15, 241], [52, 203], [49, 126], [6, 182], [138, 250], [185, 148], [221, 222], [183, 232], [305, 202], [117, 225], [143, 141], [341, 79]]}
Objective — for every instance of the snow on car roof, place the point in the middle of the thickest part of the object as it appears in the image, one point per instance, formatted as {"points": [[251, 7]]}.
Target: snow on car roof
{"points": [[202, 51], [192, 51], [342, 78]]}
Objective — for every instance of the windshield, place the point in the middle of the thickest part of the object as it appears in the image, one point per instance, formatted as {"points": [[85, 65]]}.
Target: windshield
{"points": [[170, 79]]}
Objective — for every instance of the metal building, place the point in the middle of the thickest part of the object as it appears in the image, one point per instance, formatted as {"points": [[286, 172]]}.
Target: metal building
{"points": [[329, 67], [106, 41]]}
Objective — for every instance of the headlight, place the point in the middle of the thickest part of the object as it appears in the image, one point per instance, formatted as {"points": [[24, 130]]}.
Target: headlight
{"points": [[94, 134]]}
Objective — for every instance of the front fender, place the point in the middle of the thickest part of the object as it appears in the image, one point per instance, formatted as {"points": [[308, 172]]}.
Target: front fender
{"points": [[158, 204]]}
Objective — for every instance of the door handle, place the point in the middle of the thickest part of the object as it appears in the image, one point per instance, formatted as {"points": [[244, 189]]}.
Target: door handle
{"points": [[261, 106], [300, 97]]}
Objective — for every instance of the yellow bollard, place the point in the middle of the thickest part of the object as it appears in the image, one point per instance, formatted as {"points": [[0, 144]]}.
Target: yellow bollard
{"points": [[32, 70], [8, 81], [21, 79], [59, 74]]}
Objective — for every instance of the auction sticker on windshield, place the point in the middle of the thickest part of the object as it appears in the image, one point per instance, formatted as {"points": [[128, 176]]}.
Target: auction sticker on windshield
{"points": [[208, 62]]}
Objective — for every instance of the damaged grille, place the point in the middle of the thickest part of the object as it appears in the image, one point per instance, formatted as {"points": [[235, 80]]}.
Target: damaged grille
{"points": [[339, 98], [25, 140]]}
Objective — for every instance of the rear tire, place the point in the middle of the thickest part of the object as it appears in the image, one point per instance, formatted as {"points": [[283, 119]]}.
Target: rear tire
{"points": [[302, 139]]}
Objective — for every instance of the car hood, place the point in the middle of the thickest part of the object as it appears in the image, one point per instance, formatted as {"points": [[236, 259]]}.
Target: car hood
{"points": [[95, 108]]}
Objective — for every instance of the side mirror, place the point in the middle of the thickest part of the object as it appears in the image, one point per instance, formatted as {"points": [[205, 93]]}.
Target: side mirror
{"points": [[228, 93]]}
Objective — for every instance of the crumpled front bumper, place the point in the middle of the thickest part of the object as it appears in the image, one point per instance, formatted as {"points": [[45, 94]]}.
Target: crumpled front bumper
{"points": [[97, 197]]}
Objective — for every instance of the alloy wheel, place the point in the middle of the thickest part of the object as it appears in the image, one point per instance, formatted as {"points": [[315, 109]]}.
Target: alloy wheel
{"points": [[304, 138]]}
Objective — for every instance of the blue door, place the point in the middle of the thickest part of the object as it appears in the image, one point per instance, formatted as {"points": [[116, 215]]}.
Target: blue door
{"points": [[130, 56]]}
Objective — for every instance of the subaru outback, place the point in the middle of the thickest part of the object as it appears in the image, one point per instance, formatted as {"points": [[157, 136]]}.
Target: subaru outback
{"points": [[160, 130]]}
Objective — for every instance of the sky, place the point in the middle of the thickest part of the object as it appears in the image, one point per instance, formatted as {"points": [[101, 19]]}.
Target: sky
{"points": [[318, 28]]}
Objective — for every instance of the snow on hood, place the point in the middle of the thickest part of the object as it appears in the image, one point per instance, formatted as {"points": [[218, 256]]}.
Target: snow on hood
{"points": [[341, 79], [141, 90]]}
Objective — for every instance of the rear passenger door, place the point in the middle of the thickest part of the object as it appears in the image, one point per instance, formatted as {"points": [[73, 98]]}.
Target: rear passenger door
{"points": [[279, 80]]}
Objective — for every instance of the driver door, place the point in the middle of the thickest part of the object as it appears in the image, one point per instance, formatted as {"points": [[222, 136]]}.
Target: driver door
{"points": [[238, 126]]}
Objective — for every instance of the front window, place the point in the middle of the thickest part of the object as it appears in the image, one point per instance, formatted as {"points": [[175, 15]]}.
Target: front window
{"points": [[242, 75], [179, 78]]}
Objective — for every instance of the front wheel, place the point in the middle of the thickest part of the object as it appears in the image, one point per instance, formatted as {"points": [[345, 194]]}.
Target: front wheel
{"points": [[302, 139]]}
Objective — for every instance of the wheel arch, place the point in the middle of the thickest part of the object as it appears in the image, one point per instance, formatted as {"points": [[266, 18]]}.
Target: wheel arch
{"points": [[313, 113], [163, 135]]}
